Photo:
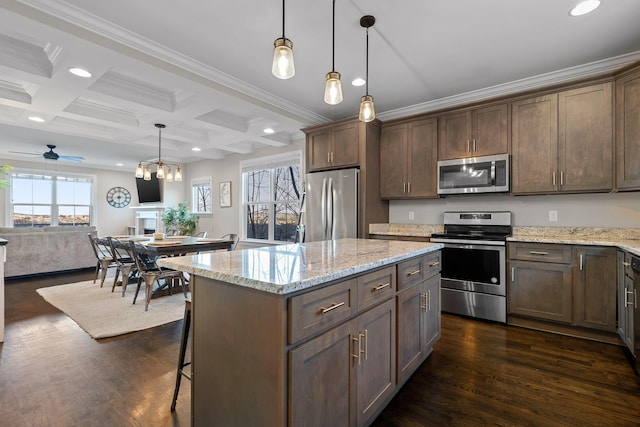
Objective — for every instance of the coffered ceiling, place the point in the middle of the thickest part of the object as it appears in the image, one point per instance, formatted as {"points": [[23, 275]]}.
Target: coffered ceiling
{"points": [[203, 68]]}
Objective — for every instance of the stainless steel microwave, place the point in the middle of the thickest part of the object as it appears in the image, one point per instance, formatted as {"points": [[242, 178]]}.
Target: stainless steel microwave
{"points": [[489, 174]]}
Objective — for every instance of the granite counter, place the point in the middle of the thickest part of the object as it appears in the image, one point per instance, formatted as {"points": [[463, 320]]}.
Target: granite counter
{"points": [[289, 268]]}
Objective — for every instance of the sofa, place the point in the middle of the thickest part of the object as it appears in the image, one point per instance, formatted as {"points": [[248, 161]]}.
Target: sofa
{"points": [[47, 250]]}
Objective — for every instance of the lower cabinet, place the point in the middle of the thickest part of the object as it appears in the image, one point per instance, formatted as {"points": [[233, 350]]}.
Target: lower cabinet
{"points": [[418, 325], [568, 285], [344, 376], [626, 300]]}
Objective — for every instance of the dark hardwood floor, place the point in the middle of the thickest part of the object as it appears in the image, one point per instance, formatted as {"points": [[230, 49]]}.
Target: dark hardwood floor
{"points": [[53, 374]]}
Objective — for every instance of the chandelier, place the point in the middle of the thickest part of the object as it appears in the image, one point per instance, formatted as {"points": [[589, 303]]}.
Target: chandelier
{"points": [[144, 168]]}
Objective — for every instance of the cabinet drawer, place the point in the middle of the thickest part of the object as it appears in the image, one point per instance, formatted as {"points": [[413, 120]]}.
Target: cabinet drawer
{"points": [[376, 287], [318, 310], [415, 270], [540, 252]]}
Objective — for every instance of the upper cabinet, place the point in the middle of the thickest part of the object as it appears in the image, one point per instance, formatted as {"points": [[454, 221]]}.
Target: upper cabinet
{"points": [[472, 133], [563, 142], [628, 131], [333, 147], [408, 158]]}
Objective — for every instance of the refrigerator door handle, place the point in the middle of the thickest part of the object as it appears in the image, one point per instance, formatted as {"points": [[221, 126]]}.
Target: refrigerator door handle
{"points": [[330, 218], [323, 206]]}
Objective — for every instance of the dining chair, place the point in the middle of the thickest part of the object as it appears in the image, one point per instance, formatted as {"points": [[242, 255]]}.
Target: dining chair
{"points": [[202, 234], [233, 237], [150, 272], [103, 256], [126, 265]]}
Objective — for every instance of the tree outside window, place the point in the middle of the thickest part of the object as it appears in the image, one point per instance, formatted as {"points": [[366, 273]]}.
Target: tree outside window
{"points": [[201, 195]]}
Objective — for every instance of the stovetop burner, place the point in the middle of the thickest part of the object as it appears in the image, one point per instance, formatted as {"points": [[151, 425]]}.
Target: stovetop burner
{"points": [[490, 226]]}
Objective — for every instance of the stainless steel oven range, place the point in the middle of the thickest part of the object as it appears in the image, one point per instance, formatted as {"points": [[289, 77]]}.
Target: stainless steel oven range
{"points": [[474, 264]]}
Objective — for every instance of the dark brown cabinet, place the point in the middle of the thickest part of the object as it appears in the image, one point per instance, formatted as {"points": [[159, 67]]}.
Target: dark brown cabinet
{"points": [[568, 285], [418, 311], [408, 159], [594, 283], [563, 142], [628, 131], [478, 132], [333, 147]]}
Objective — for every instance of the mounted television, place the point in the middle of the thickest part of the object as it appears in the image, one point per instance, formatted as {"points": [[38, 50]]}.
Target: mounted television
{"points": [[149, 191]]}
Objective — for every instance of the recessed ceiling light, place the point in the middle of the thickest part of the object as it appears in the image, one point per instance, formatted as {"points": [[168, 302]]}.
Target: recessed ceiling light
{"points": [[358, 81], [80, 72], [36, 119], [119, 164], [268, 130], [196, 149], [585, 7]]}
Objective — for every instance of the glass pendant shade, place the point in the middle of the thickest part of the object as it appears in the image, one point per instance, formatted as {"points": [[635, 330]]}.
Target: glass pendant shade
{"points": [[160, 171], [283, 67], [147, 173], [367, 111], [169, 176], [178, 175], [139, 171], [333, 89]]}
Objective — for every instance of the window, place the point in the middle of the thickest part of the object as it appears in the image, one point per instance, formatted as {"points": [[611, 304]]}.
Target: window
{"points": [[38, 200], [271, 197], [201, 195]]}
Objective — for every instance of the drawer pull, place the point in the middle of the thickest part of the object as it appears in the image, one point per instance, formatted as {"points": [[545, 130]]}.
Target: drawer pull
{"points": [[538, 253], [332, 307], [434, 264], [380, 287], [626, 264], [413, 273]]}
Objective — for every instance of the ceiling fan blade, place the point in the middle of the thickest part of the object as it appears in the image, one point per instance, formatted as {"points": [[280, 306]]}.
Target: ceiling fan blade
{"points": [[24, 152], [72, 158]]}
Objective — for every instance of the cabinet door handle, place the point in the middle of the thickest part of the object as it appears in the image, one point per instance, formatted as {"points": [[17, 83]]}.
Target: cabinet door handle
{"points": [[434, 264], [380, 287], [404, 187], [329, 157], [538, 253], [553, 180], [513, 274], [468, 145], [332, 307], [364, 338], [423, 301], [561, 178], [408, 187], [626, 297], [413, 273], [474, 144], [626, 264], [357, 352], [581, 262]]}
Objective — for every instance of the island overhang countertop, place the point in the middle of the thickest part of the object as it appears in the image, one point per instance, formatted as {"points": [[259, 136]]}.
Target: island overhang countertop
{"points": [[284, 269]]}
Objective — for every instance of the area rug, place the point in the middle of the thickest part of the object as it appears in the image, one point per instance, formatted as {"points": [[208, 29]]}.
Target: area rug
{"points": [[102, 313]]}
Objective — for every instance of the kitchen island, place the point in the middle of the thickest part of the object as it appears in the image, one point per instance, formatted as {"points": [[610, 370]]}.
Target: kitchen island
{"points": [[320, 333]]}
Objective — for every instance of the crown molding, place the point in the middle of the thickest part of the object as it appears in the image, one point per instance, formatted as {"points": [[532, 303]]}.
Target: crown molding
{"points": [[511, 88]]}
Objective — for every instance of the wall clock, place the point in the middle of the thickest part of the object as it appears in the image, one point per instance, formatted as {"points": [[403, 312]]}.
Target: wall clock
{"points": [[118, 197]]}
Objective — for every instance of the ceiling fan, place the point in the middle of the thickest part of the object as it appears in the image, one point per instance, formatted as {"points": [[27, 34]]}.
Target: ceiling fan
{"points": [[52, 155]]}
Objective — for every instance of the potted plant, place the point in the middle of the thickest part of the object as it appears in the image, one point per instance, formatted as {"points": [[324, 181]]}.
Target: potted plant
{"points": [[180, 219]]}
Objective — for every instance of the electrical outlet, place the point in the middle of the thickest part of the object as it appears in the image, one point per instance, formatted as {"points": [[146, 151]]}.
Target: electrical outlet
{"points": [[411, 215], [553, 216]]}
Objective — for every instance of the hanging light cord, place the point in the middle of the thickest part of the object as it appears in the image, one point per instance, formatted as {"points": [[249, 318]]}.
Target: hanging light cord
{"points": [[366, 72], [283, 19], [159, 145], [333, 41]]}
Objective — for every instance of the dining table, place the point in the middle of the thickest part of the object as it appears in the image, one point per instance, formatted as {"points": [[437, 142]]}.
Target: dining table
{"points": [[176, 245]]}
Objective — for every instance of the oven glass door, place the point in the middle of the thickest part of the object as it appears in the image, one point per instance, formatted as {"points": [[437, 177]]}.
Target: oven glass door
{"points": [[476, 268]]}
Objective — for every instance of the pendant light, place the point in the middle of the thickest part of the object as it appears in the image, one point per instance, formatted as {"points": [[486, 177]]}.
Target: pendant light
{"points": [[367, 111], [283, 67], [333, 87], [143, 170]]}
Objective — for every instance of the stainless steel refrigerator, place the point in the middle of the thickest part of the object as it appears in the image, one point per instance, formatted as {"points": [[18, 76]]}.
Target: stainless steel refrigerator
{"points": [[331, 210]]}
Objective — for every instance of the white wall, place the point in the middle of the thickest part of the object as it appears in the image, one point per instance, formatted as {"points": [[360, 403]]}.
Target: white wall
{"points": [[577, 210], [227, 220], [109, 220]]}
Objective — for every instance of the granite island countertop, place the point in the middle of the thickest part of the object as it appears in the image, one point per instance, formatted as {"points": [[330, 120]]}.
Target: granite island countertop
{"points": [[289, 268]]}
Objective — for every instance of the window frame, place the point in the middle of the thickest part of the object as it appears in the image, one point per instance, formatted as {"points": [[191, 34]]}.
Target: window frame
{"points": [[270, 163], [54, 205], [205, 181]]}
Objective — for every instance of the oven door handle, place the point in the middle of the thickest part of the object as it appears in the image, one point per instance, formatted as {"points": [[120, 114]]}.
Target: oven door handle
{"points": [[466, 244]]}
